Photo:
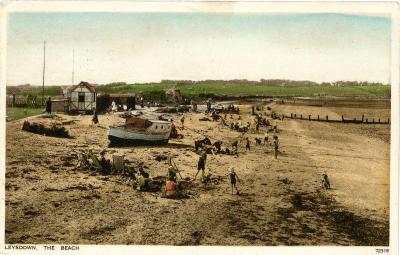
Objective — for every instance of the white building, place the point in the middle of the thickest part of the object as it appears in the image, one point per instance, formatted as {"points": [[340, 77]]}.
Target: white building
{"points": [[82, 98]]}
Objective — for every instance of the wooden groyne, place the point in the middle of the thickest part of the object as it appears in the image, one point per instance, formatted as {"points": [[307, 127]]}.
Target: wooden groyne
{"points": [[326, 118]]}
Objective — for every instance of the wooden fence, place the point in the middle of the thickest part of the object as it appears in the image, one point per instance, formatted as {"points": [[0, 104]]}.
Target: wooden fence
{"points": [[326, 118], [23, 101]]}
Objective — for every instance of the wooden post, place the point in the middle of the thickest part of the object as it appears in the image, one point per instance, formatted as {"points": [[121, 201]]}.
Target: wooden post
{"points": [[291, 115], [388, 120], [366, 120], [362, 118], [342, 118], [301, 116], [379, 120], [309, 117], [327, 118], [318, 117], [295, 115], [373, 120]]}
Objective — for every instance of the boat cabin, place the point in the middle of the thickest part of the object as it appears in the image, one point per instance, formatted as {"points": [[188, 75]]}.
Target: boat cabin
{"points": [[157, 126]]}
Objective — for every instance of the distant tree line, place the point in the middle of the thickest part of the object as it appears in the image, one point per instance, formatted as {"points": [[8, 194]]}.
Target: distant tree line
{"points": [[274, 82], [27, 89], [118, 83]]}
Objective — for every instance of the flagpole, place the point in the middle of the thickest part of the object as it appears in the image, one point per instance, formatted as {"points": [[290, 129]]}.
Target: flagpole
{"points": [[44, 68], [73, 66]]}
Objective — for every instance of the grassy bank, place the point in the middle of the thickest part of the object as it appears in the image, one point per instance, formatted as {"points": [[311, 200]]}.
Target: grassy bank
{"points": [[37, 91], [234, 89], [16, 113], [154, 91]]}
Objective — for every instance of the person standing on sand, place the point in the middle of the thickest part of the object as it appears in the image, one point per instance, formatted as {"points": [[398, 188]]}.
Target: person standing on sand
{"points": [[201, 165], [95, 118], [276, 146], [48, 105], [183, 121], [208, 105], [233, 178], [114, 106], [247, 144], [266, 140]]}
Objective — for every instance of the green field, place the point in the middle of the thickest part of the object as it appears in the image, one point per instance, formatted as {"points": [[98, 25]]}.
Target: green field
{"points": [[237, 89], [37, 91], [14, 113], [154, 91]]}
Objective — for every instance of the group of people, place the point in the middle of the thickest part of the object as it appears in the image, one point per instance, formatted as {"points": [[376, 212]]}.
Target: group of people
{"points": [[266, 138], [130, 104], [231, 109], [201, 166], [170, 189]]}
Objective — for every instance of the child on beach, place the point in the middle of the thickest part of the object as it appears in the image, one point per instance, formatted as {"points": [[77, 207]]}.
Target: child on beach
{"points": [[233, 178]]}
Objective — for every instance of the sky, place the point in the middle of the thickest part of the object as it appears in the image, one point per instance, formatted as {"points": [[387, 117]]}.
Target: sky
{"points": [[149, 47]]}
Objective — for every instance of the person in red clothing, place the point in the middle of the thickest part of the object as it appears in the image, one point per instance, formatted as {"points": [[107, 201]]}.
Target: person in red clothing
{"points": [[170, 189]]}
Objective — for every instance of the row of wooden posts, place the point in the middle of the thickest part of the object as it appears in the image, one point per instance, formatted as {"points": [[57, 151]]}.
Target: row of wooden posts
{"points": [[23, 101], [343, 120]]}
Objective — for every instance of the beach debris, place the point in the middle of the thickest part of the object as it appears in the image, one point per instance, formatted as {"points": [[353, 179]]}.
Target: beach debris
{"points": [[211, 179], [118, 162], [159, 157], [38, 128], [204, 119], [285, 181], [199, 144]]}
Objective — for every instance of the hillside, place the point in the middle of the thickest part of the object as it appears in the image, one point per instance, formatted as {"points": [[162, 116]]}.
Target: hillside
{"points": [[230, 88]]}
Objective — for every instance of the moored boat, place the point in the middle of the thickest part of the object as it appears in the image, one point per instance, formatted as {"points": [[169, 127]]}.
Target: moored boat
{"points": [[140, 131]]}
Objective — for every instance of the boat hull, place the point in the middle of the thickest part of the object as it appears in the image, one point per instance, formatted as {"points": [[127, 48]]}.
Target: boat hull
{"points": [[120, 136]]}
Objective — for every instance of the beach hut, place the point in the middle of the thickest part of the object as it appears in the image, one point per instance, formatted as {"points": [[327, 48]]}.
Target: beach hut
{"points": [[59, 104], [82, 98]]}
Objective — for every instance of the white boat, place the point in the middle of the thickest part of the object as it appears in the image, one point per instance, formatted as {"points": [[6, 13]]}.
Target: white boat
{"points": [[139, 131]]}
